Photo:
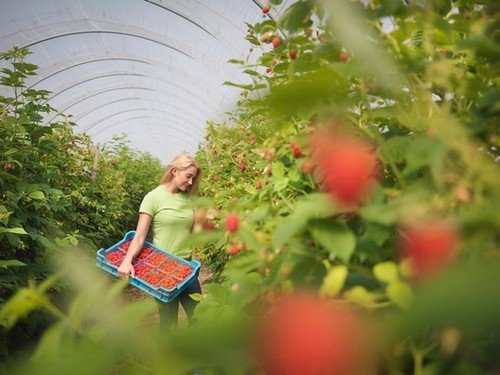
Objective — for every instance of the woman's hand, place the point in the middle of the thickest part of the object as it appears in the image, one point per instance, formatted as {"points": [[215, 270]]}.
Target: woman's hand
{"points": [[126, 269]]}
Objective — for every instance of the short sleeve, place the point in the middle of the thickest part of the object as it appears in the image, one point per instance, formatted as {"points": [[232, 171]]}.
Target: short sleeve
{"points": [[148, 204]]}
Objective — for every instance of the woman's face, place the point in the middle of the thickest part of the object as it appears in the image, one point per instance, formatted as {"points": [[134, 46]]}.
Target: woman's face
{"points": [[184, 178]]}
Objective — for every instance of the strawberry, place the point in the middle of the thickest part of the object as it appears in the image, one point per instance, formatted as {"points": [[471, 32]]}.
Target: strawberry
{"points": [[429, 246], [243, 167], [251, 139], [258, 185], [232, 222], [276, 42], [266, 8], [343, 57], [293, 54], [303, 334], [348, 166], [8, 166]]}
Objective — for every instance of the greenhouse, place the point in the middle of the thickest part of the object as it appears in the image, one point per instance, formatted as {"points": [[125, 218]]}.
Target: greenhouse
{"points": [[249, 187]]}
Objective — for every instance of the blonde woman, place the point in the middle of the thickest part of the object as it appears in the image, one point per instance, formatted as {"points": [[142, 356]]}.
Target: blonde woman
{"points": [[168, 211]]}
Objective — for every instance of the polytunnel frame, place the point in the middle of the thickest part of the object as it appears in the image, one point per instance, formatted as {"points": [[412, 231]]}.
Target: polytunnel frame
{"points": [[148, 34]]}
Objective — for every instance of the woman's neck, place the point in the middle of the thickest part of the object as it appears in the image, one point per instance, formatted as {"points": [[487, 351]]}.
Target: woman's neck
{"points": [[171, 187]]}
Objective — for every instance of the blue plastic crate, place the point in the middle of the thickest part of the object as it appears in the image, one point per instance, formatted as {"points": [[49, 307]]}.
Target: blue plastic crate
{"points": [[161, 293]]}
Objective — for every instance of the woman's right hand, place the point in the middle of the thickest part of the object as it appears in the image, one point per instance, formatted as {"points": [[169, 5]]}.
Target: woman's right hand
{"points": [[126, 269]]}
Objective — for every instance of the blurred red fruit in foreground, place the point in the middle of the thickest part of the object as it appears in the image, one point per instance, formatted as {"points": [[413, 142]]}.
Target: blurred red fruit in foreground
{"points": [[232, 222], [343, 57], [348, 166], [303, 334], [293, 54], [429, 246]]}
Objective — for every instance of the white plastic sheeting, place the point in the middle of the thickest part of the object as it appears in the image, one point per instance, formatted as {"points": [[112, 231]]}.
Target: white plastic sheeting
{"points": [[152, 69]]}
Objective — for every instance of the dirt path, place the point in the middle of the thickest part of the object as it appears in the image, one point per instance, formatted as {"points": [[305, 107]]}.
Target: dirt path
{"points": [[132, 294]]}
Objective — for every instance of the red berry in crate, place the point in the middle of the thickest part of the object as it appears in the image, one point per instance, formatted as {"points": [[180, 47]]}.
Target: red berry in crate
{"points": [[348, 166], [141, 269], [144, 253], [115, 257], [168, 282], [156, 258], [124, 247], [303, 334], [182, 272], [153, 277], [168, 266], [232, 222], [266, 8], [429, 246]]}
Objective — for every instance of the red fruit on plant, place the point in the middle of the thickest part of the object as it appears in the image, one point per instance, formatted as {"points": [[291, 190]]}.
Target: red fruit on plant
{"points": [[232, 222], [343, 57], [348, 166], [8, 166], [243, 167], [266, 8], [258, 185], [276, 42], [208, 225], [251, 139], [232, 249], [308, 167], [293, 54], [297, 152], [303, 334], [429, 246], [268, 154]]}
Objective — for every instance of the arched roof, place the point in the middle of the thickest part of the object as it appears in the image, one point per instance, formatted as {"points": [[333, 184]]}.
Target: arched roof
{"points": [[152, 69]]}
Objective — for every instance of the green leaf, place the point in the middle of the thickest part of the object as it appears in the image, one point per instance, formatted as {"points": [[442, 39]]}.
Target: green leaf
{"points": [[17, 230], [386, 272], [425, 151], [196, 296], [294, 16], [200, 238], [333, 281], [334, 237], [401, 294], [281, 184], [11, 263], [236, 61], [361, 296], [38, 195], [278, 169], [314, 205], [240, 85]]}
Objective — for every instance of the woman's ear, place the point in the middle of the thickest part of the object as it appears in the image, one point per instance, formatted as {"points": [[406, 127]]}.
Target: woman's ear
{"points": [[174, 171]]}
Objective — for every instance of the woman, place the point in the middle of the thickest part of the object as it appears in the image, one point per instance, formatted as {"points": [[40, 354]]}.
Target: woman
{"points": [[169, 212]]}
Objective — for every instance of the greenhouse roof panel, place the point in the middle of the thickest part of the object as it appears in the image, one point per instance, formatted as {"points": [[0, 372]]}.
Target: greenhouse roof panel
{"points": [[152, 69]]}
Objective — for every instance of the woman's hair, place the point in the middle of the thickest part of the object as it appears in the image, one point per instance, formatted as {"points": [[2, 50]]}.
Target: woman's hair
{"points": [[182, 162]]}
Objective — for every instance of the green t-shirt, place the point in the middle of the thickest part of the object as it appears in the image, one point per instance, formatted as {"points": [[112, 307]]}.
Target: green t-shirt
{"points": [[172, 219]]}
